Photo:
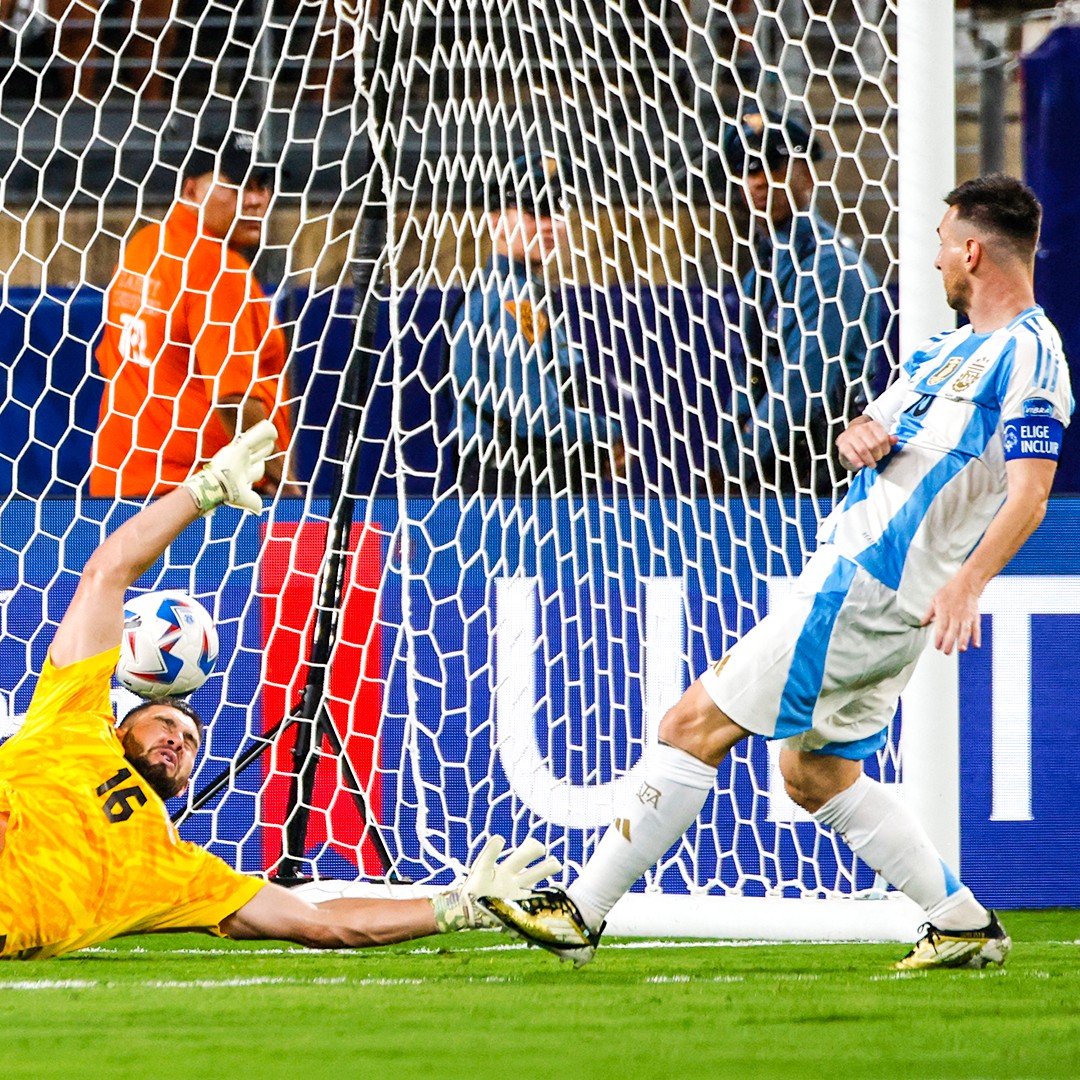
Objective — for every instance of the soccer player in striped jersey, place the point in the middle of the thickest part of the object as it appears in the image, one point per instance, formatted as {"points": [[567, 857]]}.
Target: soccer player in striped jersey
{"points": [[87, 850], [953, 467]]}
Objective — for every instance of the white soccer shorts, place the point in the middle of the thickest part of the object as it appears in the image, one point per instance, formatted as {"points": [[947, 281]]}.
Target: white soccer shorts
{"points": [[825, 668]]}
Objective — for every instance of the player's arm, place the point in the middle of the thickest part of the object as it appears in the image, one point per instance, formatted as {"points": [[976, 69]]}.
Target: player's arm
{"points": [[238, 412], [357, 922], [863, 443], [276, 913], [94, 621], [954, 609], [596, 427], [516, 373], [866, 440], [227, 352]]}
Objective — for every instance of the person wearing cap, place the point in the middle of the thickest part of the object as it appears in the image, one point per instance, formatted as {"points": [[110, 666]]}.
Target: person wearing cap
{"points": [[525, 419], [190, 353], [810, 317]]}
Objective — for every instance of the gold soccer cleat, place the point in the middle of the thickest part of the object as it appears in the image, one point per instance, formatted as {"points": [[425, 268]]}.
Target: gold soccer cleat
{"points": [[958, 948], [549, 919]]}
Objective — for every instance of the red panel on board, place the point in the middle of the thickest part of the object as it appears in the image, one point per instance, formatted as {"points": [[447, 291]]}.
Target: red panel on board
{"points": [[290, 568]]}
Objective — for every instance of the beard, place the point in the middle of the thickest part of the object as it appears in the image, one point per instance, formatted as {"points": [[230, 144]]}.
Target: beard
{"points": [[155, 774], [958, 296]]}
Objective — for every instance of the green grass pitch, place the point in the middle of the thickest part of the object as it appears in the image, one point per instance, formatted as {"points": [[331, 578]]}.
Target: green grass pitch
{"points": [[476, 1006]]}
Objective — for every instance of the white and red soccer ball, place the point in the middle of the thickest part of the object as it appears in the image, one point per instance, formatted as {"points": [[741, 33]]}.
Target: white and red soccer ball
{"points": [[169, 647]]}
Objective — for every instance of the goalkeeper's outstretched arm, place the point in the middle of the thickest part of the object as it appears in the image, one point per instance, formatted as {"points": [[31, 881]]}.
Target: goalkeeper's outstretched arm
{"points": [[94, 621], [357, 922], [276, 913]]}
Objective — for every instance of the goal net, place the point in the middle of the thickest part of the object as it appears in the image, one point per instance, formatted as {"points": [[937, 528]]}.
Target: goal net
{"points": [[516, 534]]}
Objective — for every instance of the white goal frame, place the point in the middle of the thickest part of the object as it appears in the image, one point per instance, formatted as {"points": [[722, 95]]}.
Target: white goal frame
{"points": [[930, 741], [540, 802]]}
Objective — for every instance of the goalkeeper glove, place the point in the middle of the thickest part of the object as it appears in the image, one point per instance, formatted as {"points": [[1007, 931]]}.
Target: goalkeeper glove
{"points": [[511, 879], [229, 475]]}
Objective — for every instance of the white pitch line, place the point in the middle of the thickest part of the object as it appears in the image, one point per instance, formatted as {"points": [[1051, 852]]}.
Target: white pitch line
{"points": [[222, 984], [32, 985], [427, 950], [505, 946], [697, 943], [141, 950], [198, 984], [50, 984], [211, 984]]}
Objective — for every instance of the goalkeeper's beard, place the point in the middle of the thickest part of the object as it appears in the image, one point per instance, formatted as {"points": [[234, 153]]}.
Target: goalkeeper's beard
{"points": [[155, 774]]}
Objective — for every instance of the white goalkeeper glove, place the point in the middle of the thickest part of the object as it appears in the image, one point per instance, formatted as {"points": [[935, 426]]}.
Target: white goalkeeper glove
{"points": [[512, 878], [229, 475]]}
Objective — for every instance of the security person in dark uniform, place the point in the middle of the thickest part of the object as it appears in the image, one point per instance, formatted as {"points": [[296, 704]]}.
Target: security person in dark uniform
{"points": [[809, 321], [528, 421]]}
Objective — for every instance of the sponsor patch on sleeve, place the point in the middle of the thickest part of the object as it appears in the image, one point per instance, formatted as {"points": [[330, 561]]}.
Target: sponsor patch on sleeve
{"points": [[1033, 436], [1038, 407]]}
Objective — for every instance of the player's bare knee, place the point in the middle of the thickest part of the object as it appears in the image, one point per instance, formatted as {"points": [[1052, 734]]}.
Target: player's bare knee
{"points": [[811, 780], [800, 782], [804, 797], [697, 726]]}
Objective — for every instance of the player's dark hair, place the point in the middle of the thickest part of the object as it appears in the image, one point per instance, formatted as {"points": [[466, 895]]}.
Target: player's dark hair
{"points": [[1001, 205], [174, 703]]}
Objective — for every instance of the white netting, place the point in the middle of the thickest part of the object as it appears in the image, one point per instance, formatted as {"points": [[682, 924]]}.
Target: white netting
{"points": [[493, 659]]}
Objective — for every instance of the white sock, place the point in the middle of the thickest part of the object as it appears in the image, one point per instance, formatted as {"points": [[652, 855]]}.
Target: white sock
{"points": [[885, 834], [669, 789]]}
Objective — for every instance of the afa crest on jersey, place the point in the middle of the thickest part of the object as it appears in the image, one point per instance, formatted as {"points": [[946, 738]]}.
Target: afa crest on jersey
{"points": [[972, 374], [945, 370]]}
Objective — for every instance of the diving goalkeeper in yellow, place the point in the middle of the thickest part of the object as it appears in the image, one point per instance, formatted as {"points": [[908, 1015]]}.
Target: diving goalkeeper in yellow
{"points": [[87, 850]]}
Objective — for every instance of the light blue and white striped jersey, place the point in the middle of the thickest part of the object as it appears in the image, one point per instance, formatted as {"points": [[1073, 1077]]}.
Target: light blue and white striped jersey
{"points": [[964, 404]]}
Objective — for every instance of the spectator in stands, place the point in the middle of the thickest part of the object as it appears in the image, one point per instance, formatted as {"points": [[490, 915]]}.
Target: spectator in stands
{"points": [[190, 352], [92, 35], [809, 320], [525, 422]]}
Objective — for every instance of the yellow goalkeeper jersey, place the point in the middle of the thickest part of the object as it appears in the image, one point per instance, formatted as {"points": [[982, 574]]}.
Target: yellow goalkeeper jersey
{"points": [[90, 851]]}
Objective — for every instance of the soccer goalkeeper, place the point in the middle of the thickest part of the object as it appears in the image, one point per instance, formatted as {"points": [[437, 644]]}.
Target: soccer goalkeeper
{"points": [[953, 466], [87, 851]]}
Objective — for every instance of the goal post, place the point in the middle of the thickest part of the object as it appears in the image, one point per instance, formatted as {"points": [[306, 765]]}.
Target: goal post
{"points": [[926, 137], [414, 659]]}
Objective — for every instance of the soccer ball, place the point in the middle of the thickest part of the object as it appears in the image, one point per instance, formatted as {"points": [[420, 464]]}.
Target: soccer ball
{"points": [[169, 647]]}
